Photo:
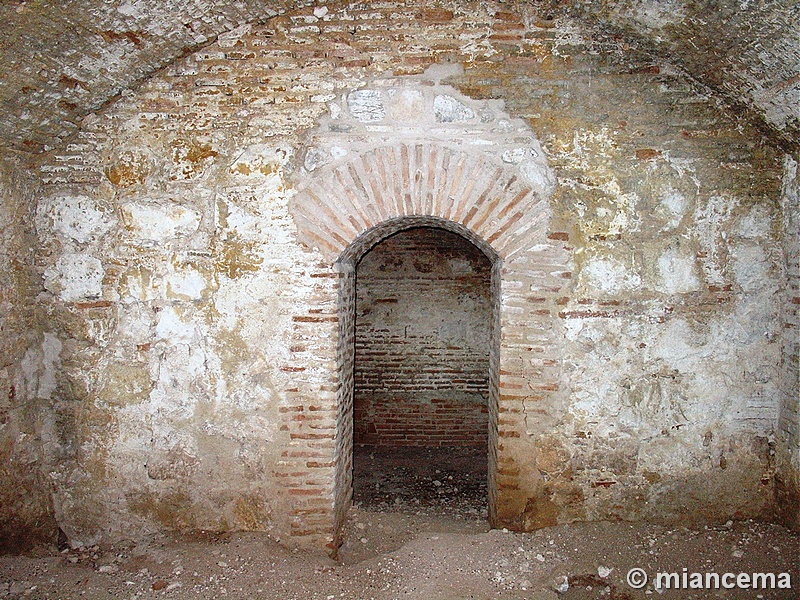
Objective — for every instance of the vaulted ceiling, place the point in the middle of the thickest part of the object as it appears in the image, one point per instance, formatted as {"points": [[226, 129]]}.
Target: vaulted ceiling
{"points": [[62, 60]]}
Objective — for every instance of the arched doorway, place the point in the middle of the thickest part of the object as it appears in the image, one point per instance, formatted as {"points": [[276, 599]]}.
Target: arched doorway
{"points": [[418, 367], [494, 191], [421, 381]]}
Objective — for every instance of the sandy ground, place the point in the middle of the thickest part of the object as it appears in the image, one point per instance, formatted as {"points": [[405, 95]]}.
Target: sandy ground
{"points": [[415, 532], [390, 555]]}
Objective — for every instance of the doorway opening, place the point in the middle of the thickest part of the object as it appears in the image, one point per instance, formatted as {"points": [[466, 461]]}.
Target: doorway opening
{"points": [[418, 363]]}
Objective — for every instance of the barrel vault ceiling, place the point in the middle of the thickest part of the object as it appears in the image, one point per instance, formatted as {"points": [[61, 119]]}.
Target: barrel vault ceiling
{"points": [[61, 60]]}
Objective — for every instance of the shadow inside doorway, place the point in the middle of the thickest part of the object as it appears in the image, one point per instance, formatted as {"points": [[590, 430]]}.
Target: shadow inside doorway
{"points": [[445, 481]]}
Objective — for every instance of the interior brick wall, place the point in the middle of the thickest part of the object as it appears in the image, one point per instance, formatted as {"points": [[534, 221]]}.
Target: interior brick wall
{"points": [[422, 341], [189, 232]]}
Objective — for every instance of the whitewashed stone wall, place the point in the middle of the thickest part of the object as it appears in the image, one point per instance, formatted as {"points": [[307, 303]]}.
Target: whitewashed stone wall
{"points": [[190, 311], [788, 439], [28, 365]]}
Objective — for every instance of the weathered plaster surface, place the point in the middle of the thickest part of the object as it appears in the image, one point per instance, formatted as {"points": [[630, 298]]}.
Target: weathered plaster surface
{"points": [[788, 446], [759, 75], [196, 381], [28, 365]]}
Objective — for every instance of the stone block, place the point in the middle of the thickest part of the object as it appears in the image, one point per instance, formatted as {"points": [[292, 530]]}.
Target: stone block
{"points": [[76, 218], [366, 106], [75, 277], [449, 110], [156, 222]]}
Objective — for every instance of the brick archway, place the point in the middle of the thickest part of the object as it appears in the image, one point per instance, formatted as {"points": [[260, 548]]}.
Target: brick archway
{"points": [[346, 265], [490, 199], [348, 207]]}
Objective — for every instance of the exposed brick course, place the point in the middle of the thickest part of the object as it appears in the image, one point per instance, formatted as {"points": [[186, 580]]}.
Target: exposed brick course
{"points": [[423, 324], [197, 245]]}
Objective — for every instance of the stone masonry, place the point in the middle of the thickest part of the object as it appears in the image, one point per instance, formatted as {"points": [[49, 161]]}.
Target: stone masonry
{"points": [[180, 290]]}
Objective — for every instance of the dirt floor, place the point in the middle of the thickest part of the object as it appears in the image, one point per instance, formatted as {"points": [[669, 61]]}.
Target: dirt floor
{"points": [[426, 481], [432, 546]]}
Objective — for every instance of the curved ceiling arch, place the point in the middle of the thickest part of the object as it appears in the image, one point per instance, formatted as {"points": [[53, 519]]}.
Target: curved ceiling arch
{"points": [[62, 61]]}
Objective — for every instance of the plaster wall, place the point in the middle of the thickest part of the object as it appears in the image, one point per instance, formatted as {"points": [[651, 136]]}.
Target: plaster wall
{"points": [[788, 446], [28, 364], [195, 314]]}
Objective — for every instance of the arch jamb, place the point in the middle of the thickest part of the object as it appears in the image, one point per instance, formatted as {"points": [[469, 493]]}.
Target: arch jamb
{"points": [[346, 266]]}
